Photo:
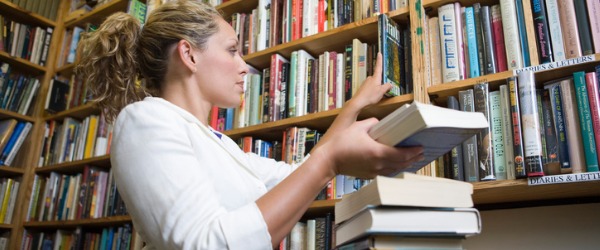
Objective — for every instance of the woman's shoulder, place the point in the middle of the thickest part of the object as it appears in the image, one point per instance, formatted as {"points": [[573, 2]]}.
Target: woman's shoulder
{"points": [[148, 111]]}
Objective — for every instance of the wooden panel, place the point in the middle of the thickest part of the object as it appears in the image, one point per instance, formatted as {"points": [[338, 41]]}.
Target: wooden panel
{"points": [[6, 114], [86, 223]]}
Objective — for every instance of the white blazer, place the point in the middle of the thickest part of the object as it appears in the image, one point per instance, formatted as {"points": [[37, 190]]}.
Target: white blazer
{"points": [[187, 186]]}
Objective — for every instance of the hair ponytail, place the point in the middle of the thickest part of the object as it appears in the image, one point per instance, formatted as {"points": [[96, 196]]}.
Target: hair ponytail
{"points": [[109, 63]]}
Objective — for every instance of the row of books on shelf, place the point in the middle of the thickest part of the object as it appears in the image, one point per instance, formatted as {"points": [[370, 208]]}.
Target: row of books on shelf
{"points": [[17, 91], [471, 41], [275, 22], [91, 194], [65, 94], [47, 9], [305, 84], [25, 41], [110, 238], [71, 139], [12, 135], [534, 131], [9, 189]]}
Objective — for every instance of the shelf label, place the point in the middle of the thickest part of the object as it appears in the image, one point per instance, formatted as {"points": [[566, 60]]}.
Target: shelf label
{"points": [[563, 178], [555, 65]]}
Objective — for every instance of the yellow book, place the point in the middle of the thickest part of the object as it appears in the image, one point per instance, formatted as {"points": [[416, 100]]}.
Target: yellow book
{"points": [[9, 185], [91, 137]]}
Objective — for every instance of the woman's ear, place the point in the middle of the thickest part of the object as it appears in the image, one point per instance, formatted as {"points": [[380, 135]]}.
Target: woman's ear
{"points": [[185, 51]]}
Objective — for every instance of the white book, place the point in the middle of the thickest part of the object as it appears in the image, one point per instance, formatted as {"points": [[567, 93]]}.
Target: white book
{"points": [[514, 57], [556, 37], [311, 231], [448, 38], [301, 79], [436, 129], [460, 43], [339, 80], [458, 222], [507, 131], [13, 152], [497, 135], [263, 20]]}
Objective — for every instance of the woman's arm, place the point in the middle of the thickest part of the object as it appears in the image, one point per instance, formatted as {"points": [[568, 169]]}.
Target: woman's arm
{"points": [[346, 149]]}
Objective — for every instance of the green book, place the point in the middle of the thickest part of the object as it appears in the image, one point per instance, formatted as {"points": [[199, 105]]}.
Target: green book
{"points": [[585, 122]]}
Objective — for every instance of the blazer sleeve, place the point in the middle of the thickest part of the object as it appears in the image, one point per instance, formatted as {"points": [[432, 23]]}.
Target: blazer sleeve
{"points": [[168, 194]]}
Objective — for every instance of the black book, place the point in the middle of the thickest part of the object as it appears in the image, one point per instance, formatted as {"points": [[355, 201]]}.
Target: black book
{"points": [[542, 34], [56, 100], [456, 155], [583, 26]]}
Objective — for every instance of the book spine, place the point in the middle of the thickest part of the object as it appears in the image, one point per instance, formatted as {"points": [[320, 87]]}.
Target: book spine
{"points": [[488, 41], [552, 163], [497, 135], [559, 126], [460, 44], [542, 33], [568, 24], [594, 99], [479, 37], [594, 8], [472, 42], [556, 37], [511, 34], [519, 155], [585, 121], [507, 132], [435, 52], [532, 142], [450, 70], [498, 39], [522, 32], [571, 116], [583, 26], [484, 138], [456, 154], [469, 146], [293, 85]]}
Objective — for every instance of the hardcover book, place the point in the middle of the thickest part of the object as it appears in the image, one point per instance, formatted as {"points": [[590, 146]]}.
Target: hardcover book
{"points": [[455, 222], [389, 46], [400, 242], [436, 129], [405, 189]]}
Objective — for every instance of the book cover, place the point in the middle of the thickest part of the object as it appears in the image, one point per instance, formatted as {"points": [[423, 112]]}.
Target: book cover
{"points": [[456, 158], [56, 99], [435, 53], [472, 42], [480, 37], [390, 46], [511, 34], [556, 101], [568, 24], [497, 135], [447, 23], [585, 121], [542, 33], [556, 36], [460, 43], [405, 189], [457, 222], [6, 130], [573, 129], [532, 142], [425, 125], [499, 48], [484, 137], [594, 7], [507, 132], [552, 163], [490, 66], [522, 32], [518, 150], [384, 241], [594, 99], [469, 146], [583, 26]]}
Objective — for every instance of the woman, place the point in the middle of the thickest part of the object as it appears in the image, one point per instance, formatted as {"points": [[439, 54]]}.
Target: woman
{"points": [[185, 185]]}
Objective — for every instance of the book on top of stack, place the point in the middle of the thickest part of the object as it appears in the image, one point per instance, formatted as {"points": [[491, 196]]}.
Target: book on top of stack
{"points": [[408, 211]]}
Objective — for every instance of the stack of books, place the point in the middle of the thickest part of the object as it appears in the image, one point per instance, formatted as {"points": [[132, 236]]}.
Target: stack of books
{"points": [[408, 211]]}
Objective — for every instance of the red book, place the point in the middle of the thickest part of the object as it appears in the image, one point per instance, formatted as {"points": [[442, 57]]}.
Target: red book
{"points": [[214, 117], [593, 93], [296, 19], [321, 16], [499, 39]]}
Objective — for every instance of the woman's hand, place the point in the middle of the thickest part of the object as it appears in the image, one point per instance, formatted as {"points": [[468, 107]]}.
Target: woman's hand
{"points": [[353, 152], [371, 91]]}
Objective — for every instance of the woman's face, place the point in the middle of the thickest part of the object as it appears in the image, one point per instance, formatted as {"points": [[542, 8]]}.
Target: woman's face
{"points": [[221, 68]]}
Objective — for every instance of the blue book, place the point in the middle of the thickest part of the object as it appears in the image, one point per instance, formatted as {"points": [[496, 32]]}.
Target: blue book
{"points": [[11, 141], [522, 32], [472, 42]]}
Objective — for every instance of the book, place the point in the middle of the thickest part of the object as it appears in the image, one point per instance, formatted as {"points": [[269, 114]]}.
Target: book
{"points": [[56, 99], [484, 138], [426, 125], [400, 242], [530, 124], [542, 33], [389, 46], [406, 189], [6, 129], [470, 154], [585, 121], [447, 23], [410, 222]]}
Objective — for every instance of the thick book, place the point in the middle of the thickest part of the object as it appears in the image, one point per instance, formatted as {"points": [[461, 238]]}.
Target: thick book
{"points": [[406, 189], [410, 222], [436, 129], [56, 99], [530, 124], [585, 121], [448, 36], [399, 242]]}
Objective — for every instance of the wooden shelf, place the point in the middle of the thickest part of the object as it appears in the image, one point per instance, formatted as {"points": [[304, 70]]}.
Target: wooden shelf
{"points": [[22, 65], [98, 14], [87, 223], [75, 166], [319, 121], [6, 114], [505, 191], [79, 112], [6, 171], [66, 70], [237, 6], [6, 227], [22, 15]]}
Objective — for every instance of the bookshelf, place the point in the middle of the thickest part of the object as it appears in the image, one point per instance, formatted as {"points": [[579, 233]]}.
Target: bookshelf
{"points": [[488, 194]]}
